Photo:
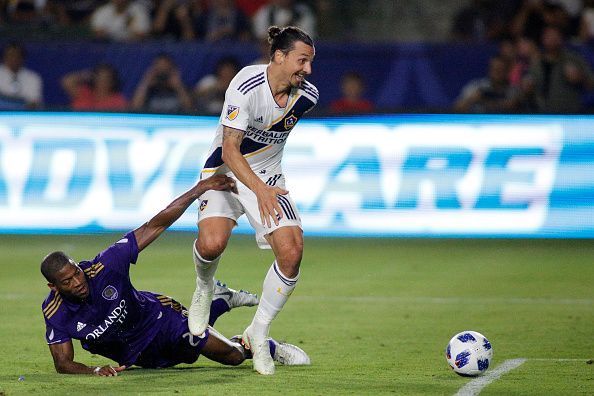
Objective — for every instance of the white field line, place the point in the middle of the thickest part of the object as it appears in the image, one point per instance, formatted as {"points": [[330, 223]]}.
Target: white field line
{"points": [[448, 300], [475, 386]]}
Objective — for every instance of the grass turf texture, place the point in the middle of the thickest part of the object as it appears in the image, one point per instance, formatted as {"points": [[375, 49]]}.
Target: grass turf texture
{"points": [[374, 314]]}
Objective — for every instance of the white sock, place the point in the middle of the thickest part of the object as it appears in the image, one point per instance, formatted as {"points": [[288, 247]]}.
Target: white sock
{"points": [[275, 292], [204, 269]]}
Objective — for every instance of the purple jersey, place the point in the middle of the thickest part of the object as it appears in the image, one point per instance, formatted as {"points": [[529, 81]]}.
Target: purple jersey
{"points": [[116, 320]]}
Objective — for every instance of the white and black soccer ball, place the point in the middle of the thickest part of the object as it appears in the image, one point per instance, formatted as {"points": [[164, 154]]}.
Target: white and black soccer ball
{"points": [[469, 353]]}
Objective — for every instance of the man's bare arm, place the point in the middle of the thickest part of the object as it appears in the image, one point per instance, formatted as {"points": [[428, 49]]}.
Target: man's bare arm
{"points": [[151, 230], [63, 355], [267, 201]]}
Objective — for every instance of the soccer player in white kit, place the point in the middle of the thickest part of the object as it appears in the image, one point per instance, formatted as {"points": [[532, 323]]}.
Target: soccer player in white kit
{"points": [[262, 105]]}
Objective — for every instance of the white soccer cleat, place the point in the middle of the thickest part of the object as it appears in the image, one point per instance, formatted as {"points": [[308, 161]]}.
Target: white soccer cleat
{"points": [[290, 355], [260, 348], [199, 311], [234, 298]]}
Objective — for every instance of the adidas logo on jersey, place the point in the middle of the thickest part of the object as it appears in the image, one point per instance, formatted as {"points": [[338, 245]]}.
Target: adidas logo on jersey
{"points": [[80, 326], [259, 119]]}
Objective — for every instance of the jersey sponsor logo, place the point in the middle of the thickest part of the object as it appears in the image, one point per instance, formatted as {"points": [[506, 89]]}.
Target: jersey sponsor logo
{"points": [[290, 121], [266, 137], [80, 326], [110, 293], [117, 315], [203, 204], [232, 112]]}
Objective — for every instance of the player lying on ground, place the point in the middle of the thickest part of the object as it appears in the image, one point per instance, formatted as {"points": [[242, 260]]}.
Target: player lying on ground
{"points": [[96, 303]]}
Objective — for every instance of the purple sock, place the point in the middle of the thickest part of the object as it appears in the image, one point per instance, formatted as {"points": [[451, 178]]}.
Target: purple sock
{"points": [[217, 308], [272, 345]]}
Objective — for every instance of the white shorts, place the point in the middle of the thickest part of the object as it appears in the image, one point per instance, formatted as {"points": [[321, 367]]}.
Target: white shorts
{"points": [[230, 205]]}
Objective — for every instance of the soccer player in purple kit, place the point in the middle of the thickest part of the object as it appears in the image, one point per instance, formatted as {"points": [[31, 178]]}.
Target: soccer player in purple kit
{"points": [[96, 303]]}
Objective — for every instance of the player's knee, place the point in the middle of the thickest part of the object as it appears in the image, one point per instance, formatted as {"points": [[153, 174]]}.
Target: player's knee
{"points": [[289, 260], [235, 358], [210, 246]]}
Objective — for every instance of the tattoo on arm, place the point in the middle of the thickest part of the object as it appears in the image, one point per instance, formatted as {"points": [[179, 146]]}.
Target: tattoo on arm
{"points": [[232, 135]]}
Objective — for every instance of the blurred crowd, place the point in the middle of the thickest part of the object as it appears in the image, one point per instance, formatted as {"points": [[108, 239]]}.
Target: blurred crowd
{"points": [[535, 70], [137, 20]]}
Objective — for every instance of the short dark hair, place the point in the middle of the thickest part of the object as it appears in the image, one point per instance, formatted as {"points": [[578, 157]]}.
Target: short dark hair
{"points": [[284, 39], [353, 75], [15, 45], [53, 263], [227, 60], [116, 83]]}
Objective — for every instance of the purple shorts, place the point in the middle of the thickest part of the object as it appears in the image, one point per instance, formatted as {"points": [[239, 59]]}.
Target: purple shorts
{"points": [[173, 344]]}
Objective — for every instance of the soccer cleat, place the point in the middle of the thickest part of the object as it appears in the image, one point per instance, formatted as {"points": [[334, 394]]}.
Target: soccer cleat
{"points": [[260, 348], [290, 355], [199, 311], [234, 298]]}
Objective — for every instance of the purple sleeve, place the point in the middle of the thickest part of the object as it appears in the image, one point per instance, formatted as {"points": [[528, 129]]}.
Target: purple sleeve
{"points": [[54, 335], [121, 254]]}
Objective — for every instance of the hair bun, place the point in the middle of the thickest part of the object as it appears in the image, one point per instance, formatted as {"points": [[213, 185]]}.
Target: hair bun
{"points": [[273, 31]]}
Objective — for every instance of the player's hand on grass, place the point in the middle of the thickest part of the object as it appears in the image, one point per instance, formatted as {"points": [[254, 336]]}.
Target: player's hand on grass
{"points": [[269, 205], [108, 371], [217, 182]]}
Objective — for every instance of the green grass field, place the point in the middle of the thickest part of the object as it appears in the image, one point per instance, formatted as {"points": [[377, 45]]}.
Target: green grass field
{"points": [[374, 314]]}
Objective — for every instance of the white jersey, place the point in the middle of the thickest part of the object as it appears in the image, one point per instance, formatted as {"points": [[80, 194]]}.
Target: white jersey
{"points": [[250, 107]]}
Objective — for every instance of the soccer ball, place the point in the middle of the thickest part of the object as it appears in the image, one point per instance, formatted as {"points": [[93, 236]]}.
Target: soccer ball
{"points": [[469, 353]]}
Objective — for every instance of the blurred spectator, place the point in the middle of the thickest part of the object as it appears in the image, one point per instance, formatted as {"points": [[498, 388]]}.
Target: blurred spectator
{"points": [[587, 22], [573, 9], [561, 77], [97, 89], [507, 49], [172, 19], [352, 100], [222, 20], [77, 12], [483, 20], [491, 94], [32, 12], [20, 88], [121, 20], [264, 51], [526, 55], [333, 27], [161, 89], [534, 15], [250, 7], [210, 90], [284, 13]]}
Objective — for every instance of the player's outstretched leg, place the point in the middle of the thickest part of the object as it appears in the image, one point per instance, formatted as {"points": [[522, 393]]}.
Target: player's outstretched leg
{"points": [[281, 352], [288, 354], [234, 298], [199, 310], [226, 299]]}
